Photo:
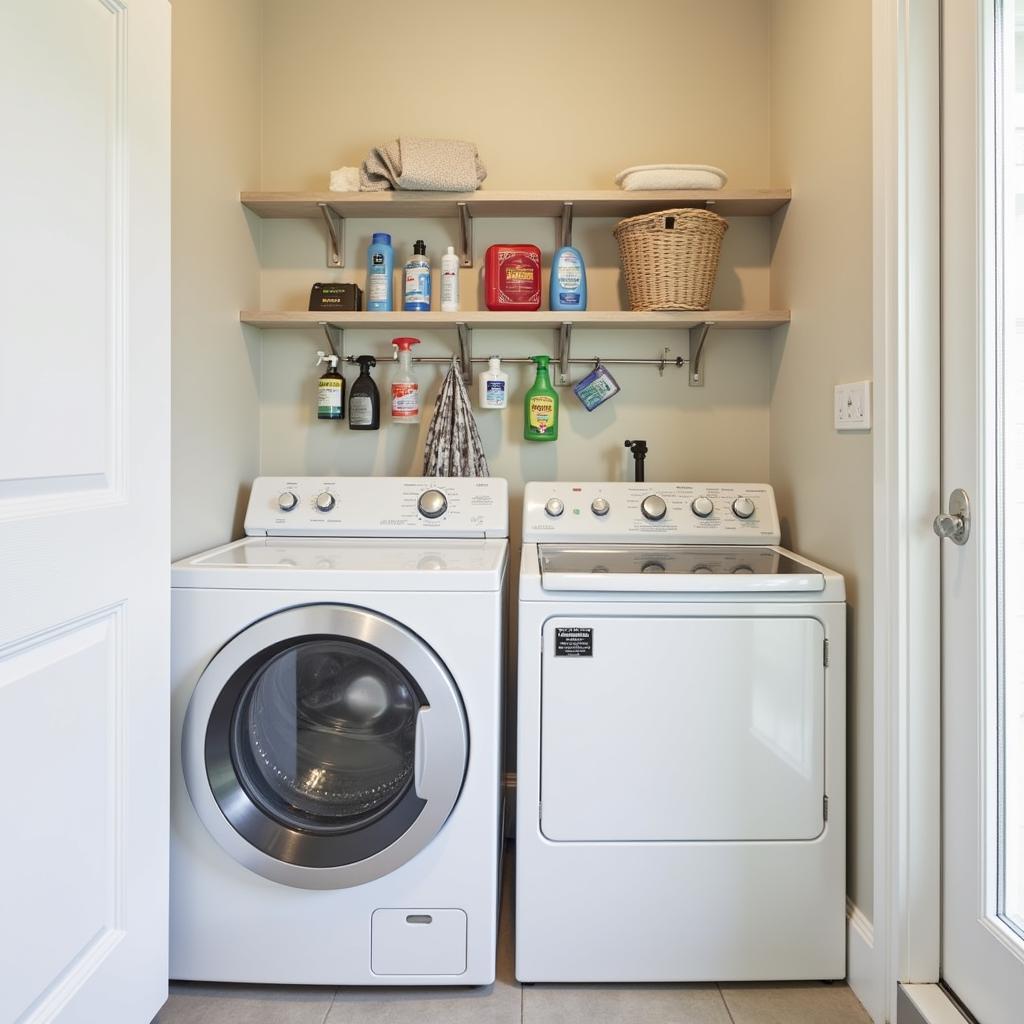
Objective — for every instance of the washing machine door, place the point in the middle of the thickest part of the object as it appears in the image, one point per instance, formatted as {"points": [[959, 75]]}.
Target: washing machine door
{"points": [[324, 746]]}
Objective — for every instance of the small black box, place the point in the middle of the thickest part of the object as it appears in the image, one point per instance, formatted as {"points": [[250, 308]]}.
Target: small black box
{"points": [[344, 296]]}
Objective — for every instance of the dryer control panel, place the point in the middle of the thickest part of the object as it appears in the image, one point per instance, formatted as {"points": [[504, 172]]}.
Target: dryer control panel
{"points": [[377, 507], [673, 513]]}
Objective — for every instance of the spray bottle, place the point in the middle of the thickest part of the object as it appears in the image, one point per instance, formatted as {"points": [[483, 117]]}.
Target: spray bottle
{"points": [[540, 407], [405, 391], [330, 400], [364, 399]]}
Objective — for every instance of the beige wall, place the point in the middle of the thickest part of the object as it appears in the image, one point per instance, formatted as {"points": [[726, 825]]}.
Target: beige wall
{"points": [[215, 127], [557, 95], [821, 146], [580, 104]]}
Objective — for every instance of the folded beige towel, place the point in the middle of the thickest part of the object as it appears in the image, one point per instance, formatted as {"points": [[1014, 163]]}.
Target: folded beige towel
{"points": [[422, 165]]}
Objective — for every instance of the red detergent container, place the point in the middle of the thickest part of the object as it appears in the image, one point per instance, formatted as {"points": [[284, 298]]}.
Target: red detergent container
{"points": [[512, 277]]}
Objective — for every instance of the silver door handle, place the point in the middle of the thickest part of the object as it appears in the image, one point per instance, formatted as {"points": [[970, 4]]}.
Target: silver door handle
{"points": [[955, 525]]}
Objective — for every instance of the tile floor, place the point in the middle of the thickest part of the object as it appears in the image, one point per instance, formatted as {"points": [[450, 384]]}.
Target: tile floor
{"points": [[507, 1002]]}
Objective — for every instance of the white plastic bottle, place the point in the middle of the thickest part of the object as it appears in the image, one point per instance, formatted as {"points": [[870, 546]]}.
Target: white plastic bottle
{"points": [[450, 281], [493, 386]]}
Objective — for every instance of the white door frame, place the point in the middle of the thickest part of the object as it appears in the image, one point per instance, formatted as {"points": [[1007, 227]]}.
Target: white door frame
{"points": [[906, 108], [907, 737]]}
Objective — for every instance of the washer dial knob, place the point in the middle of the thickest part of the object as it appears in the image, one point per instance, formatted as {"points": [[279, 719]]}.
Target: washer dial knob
{"points": [[653, 507], [743, 507], [432, 504], [554, 507], [324, 501], [600, 507], [702, 506], [286, 501]]}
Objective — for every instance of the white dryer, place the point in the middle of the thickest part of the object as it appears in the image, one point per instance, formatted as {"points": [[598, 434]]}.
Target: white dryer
{"points": [[681, 757], [337, 723]]}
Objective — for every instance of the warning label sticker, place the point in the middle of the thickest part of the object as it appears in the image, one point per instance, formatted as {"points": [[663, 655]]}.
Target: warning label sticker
{"points": [[574, 642]]}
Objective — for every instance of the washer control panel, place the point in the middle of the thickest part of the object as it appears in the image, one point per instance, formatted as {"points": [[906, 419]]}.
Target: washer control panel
{"points": [[377, 507], [676, 513]]}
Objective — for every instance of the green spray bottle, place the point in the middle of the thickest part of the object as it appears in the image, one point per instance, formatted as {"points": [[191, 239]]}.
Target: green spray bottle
{"points": [[540, 406]]}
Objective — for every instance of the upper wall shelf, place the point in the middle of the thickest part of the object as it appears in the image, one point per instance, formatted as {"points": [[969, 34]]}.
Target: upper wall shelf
{"points": [[336, 207], [752, 202]]}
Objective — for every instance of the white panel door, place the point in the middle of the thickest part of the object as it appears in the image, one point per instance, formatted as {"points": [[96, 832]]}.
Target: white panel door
{"points": [[682, 729], [84, 455], [983, 453]]}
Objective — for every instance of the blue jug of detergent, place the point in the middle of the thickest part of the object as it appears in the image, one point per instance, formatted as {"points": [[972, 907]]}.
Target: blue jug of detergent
{"points": [[568, 280]]}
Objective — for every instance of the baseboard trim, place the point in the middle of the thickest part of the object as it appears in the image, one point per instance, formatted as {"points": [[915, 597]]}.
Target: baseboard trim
{"points": [[861, 962], [926, 1004]]}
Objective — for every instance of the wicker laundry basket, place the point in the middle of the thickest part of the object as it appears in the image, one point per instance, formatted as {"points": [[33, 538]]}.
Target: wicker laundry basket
{"points": [[670, 258]]}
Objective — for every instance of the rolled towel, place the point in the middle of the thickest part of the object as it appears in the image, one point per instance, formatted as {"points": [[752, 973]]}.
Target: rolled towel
{"points": [[656, 177], [423, 165], [345, 179]]}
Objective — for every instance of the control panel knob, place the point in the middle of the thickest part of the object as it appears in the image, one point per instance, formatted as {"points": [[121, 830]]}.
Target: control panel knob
{"points": [[743, 507], [286, 501], [324, 501], [653, 507], [554, 507], [600, 507], [432, 504], [702, 506]]}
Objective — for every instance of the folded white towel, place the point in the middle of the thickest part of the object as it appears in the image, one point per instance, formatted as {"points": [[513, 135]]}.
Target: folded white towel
{"points": [[670, 176], [345, 179]]}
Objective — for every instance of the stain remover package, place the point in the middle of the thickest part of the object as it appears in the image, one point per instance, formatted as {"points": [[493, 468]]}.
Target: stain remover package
{"points": [[597, 387]]}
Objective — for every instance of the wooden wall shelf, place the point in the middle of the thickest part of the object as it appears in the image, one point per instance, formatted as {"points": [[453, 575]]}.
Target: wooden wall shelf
{"points": [[750, 202], [614, 319]]}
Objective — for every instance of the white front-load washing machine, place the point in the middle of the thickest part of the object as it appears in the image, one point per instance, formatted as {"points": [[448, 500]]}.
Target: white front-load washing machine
{"points": [[681, 811], [337, 725]]}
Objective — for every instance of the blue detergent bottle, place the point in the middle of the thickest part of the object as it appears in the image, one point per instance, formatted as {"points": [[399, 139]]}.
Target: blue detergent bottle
{"points": [[380, 266], [568, 280]]}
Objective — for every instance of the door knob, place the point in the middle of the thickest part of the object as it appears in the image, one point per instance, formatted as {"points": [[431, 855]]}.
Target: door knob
{"points": [[955, 525]]}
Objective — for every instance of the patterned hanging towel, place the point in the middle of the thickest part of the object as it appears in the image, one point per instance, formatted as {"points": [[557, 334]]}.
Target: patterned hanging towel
{"points": [[453, 446]]}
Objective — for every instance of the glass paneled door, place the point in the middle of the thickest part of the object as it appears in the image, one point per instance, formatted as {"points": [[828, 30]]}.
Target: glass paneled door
{"points": [[983, 479]]}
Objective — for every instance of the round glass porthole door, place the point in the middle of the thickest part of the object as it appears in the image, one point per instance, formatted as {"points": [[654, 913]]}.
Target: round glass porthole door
{"points": [[324, 746]]}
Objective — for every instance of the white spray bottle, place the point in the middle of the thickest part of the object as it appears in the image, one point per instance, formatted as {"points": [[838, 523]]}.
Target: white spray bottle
{"points": [[405, 391]]}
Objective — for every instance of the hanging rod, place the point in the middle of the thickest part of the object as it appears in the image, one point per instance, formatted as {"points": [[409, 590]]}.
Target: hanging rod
{"points": [[595, 361]]}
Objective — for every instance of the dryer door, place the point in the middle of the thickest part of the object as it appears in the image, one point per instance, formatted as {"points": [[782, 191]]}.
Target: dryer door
{"points": [[324, 746], [676, 729]]}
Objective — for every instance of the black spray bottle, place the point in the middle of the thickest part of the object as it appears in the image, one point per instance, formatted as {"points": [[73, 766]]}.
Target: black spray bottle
{"points": [[364, 398]]}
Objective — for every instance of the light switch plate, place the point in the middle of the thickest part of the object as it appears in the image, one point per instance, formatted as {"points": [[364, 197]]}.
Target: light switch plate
{"points": [[853, 406]]}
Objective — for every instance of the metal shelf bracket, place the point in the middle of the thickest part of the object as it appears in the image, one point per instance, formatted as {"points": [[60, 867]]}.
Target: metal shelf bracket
{"points": [[565, 232], [465, 235], [466, 352], [698, 336], [564, 355], [335, 224], [335, 339]]}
